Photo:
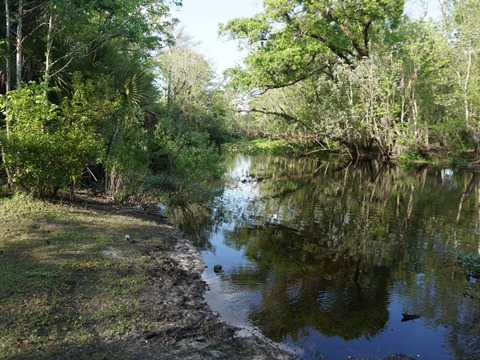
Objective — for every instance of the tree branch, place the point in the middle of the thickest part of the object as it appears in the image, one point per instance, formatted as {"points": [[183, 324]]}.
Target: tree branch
{"points": [[293, 82], [318, 138], [366, 41], [335, 50]]}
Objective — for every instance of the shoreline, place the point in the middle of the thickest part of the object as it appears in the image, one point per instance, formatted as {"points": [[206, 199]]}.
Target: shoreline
{"points": [[92, 279], [126, 282], [207, 336]]}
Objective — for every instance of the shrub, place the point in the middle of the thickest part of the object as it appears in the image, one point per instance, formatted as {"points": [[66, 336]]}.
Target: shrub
{"points": [[44, 151]]}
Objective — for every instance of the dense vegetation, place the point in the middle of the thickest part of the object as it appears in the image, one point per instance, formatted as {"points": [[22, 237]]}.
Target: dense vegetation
{"points": [[102, 92], [363, 75], [110, 93]]}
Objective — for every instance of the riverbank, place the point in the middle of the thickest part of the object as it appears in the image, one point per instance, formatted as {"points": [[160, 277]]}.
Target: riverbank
{"points": [[94, 280]]}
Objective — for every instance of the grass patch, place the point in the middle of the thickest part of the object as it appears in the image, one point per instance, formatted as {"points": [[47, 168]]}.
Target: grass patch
{"points": [[281, 147], [60, 289], [260, 146]]}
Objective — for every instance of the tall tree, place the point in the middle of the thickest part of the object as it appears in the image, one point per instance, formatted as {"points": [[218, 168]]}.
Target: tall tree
{"points": [[361, 73], [193, 96], [295, 39], [51, 35], [109, 43], [465, 64], [7, 51], [19, 45]]}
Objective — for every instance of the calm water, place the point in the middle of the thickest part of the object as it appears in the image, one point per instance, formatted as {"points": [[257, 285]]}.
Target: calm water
{"points": [[326, 258]]}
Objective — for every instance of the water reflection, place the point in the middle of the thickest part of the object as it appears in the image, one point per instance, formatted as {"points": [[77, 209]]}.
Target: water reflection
{"points": [[323, 255]]}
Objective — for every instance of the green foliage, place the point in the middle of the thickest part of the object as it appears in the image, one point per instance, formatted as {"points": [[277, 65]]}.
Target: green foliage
{"points": [[189, 165], [192, 96], [128, 161], [453, 161], [92, 103], [45, 151], [259, 146], [292, 40], [409, 160], [463, 73], [471, 263], [361, 75], [103, 107], [110, 113]]}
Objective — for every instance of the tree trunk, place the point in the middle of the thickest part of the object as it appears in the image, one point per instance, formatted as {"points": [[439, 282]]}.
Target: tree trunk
{"points": [[472, 129], [445, 17], [475, 136], [7, 57], [110, 176], [49, 50], [7, 86], [19, 42]]}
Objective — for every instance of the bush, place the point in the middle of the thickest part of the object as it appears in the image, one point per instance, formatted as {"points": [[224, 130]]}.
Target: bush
{"points": [[44, 151], [189, 163], [129, 158]]}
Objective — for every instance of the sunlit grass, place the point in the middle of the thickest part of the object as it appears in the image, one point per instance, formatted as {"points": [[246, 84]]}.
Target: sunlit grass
{"points": [[59, 290], [260, 146]]}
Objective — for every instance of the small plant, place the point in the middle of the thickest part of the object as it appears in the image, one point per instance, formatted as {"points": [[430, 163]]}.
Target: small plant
{"points": [[260, 146], [454, 161], [411, 160]]}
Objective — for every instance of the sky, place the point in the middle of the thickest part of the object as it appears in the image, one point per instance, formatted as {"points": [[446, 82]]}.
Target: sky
{"points": [[200, 19]]}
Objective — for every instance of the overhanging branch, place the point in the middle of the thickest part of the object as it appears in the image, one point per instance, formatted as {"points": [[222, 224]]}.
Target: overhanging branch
{"points": [[318, 138], [293, 82]]}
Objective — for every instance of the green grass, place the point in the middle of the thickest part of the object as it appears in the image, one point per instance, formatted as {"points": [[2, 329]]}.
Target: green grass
{"points": [[280, 147], [59, 290], [260, 146]]}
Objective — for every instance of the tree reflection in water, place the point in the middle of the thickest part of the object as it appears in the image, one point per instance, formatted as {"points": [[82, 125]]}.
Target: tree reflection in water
{"points": [[328, 244]]}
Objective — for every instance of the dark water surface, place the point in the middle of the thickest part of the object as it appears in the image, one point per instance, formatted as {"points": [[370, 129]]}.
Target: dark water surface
{"points": [[326, 258]]}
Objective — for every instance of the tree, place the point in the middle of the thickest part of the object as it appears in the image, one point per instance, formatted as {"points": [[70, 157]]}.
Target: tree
{"points": [[45, 150], [194, 98], [358, 74], [337, 46], [51, 35], [19, 45], [69, 46], [465, 65], [294, 39], [195, 109]]}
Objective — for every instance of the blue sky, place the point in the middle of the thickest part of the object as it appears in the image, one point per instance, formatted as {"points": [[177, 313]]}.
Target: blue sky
{"points": [[200, 19]]}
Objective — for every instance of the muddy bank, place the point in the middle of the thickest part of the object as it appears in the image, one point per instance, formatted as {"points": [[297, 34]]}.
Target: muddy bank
{"points": [[183, 326]]}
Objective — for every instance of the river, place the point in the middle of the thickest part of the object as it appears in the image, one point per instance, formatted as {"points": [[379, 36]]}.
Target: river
{"points": [[327, 258]]}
